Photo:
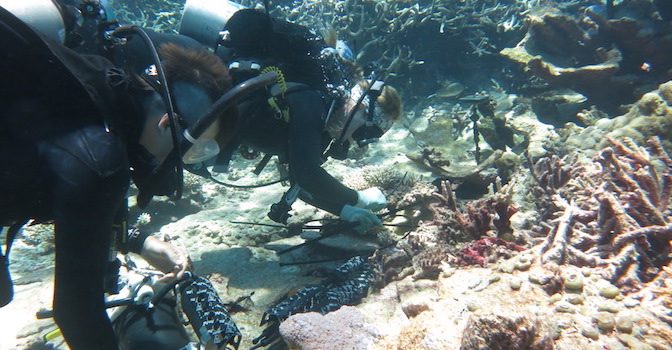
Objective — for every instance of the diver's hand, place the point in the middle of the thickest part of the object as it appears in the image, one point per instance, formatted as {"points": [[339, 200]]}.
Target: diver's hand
{"points": [[371, 198], [167, 258], [365, 218]]}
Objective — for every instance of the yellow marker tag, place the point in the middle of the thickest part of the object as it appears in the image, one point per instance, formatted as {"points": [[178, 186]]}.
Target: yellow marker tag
{"points": [[52, 335]]}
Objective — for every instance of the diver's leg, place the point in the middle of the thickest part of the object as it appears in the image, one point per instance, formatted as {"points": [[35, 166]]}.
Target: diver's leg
{"points": [[84, 205]]}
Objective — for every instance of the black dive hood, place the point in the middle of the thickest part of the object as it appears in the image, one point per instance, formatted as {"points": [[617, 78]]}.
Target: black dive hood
{"points": [[228, 100]]}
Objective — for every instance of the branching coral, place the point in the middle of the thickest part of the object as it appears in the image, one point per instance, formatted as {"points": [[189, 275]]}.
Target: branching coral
{"points": [[488, 216], [162, 16], [615, 212], [386, 33]]}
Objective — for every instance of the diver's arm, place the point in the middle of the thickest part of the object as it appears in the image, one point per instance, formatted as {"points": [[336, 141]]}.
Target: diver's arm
{"points": [[305, 154], [86, 197]]}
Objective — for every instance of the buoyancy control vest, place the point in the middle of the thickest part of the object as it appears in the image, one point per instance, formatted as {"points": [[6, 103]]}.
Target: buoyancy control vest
{"points": [[259, 41]]}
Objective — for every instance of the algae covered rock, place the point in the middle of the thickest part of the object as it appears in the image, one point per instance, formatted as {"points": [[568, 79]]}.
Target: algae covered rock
{"points": [[500, 331]]}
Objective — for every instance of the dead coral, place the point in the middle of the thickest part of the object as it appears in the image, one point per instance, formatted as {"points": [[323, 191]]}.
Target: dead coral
{"points": [[483, 217], [391, 264], [615, 212], [504, 331], [551, 173], [427, 263]]}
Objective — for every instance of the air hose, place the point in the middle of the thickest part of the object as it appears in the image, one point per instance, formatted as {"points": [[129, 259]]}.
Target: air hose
{"points": [[125, 32]]}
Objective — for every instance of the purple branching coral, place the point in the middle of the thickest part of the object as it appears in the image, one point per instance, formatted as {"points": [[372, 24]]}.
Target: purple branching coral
{"points": [[615, 213]]}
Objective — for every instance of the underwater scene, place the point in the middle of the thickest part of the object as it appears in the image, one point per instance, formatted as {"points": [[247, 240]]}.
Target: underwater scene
{"points": [[476, 174]]}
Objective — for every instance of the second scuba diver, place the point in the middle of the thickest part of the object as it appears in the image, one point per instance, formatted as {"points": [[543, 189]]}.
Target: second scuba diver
{"points": [[315, 104]]}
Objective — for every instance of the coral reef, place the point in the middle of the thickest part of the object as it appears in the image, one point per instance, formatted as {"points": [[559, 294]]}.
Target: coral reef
{"points": [[162, 16], [615, 213], [385, 33], [588, 50], [436, 239], [486, 216], [391, 181], [650, 116]]}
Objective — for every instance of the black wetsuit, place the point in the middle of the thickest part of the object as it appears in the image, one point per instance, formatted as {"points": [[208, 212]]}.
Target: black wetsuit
{"points": [[61, 164], [301, 142]]}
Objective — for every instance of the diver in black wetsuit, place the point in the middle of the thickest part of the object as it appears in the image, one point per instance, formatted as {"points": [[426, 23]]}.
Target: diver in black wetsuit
{"points": [[301, 137], [74, 130]]}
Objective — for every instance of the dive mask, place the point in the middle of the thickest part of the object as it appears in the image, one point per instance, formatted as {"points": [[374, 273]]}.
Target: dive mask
{"points": [[373, 128], [200, 151], [193, 103]]}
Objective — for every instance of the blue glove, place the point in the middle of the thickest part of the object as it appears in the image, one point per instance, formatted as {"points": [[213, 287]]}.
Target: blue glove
{"points": [[371, 198], [365, 218]]}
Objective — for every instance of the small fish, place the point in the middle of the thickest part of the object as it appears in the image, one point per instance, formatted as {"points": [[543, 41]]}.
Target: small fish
{"points": [[646, 67], [344, 50]]}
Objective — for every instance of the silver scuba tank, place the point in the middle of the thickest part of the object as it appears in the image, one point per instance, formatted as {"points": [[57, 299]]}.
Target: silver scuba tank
{"points": [[42, 15], [204, 20]]}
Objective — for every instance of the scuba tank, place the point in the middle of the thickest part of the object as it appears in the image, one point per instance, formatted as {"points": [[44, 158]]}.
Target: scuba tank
{"points": [[42, 15], [204, 20]]}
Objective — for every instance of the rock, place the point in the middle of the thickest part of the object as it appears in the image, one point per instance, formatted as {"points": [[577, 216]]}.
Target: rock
{"points": [[523, 262], [632, 342], [515, 283], [608, 306], [564, 307], [473, 306], [344, 328], [539, 276], [575, 299], [590, 331], [559, 106], [609, 291], [625, 324], [630, 302], [604, 321], [503, 331], [574, 282], [413, 308], [507, 266], [357, 244]]}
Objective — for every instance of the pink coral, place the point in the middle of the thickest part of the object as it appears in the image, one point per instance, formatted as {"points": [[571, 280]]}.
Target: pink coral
{"points": [[485, 250]]}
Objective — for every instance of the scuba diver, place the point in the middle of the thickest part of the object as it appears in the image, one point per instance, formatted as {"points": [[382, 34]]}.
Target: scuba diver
{"points": [[75, 129], [312, 107]]}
